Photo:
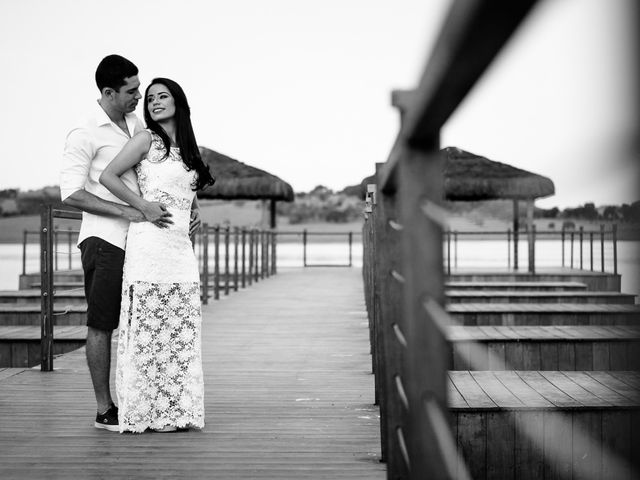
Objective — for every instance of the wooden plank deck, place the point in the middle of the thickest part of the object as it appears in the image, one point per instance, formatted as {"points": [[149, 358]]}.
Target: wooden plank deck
{"points": [[289, 394]]}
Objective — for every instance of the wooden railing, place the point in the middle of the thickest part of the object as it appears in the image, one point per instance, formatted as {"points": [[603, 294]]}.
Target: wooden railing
{"points": [[305, 235], [403, 234], [47, 254], [576, 248], [248, 256]]}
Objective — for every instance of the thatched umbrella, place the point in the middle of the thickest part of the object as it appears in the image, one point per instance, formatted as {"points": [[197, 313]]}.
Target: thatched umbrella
{"points": [[471, 177], [468, 176], [238, 181]]}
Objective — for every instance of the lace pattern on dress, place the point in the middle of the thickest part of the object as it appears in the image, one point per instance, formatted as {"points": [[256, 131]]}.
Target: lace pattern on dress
{"points": [[159, 346], [157, 151], [168, 199]]}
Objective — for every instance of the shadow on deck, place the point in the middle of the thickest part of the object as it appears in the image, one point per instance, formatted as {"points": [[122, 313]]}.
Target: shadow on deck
{"points": [[289, 394]]}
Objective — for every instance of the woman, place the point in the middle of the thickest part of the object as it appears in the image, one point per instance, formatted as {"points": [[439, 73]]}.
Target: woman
{"points": [[159, 369]]}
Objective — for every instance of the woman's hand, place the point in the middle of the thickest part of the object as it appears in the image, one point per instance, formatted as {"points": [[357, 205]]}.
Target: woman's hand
{"points": [[156, 213]]}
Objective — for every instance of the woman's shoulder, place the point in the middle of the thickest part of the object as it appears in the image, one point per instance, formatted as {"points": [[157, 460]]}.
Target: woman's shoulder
{"points": [[141, 140]]}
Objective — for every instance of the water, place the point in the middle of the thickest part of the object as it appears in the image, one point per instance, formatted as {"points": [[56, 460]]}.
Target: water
{"points": [[466, 253]]}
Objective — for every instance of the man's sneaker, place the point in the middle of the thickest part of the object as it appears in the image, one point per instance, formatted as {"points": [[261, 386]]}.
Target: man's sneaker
{"points": [[108, 420]]}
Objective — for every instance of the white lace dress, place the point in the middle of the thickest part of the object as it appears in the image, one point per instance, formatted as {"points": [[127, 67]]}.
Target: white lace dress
{"points": [[159, 369]]}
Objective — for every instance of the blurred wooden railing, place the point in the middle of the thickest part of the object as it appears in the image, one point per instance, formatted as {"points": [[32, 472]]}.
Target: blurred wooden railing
{"points": [[403, 235]]}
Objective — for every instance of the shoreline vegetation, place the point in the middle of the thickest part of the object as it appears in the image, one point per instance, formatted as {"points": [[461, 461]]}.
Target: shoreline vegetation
{"points": [[322, 210]]}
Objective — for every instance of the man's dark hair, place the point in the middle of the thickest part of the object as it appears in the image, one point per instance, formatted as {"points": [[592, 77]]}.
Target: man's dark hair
{"points": [[112, 71]]}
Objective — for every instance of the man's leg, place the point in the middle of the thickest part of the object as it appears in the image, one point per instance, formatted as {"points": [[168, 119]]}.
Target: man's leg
{"points": [[102, 264], [99, 361]]}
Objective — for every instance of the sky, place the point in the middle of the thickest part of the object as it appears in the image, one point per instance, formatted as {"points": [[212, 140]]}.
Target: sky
{"points": [[302, 88]]}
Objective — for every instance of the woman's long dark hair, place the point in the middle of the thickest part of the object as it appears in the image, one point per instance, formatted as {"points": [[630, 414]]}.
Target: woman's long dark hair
{"points": [[185, 138]]}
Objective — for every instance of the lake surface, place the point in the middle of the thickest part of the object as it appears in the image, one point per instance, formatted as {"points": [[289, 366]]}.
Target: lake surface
{"points": [[464, 253]]}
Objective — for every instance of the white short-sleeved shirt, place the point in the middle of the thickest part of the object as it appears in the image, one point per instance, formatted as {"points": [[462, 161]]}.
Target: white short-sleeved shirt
{"points": [[89, 148]]}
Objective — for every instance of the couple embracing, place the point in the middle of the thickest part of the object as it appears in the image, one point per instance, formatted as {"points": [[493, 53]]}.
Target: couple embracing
{"points": [[137, 189]]}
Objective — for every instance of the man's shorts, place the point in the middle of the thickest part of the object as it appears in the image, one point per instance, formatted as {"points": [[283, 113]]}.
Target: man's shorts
{"points": [[102, 263]]}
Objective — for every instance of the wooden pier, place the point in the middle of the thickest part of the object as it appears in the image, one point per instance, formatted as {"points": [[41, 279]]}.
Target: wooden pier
{"points": [[289, 394]]}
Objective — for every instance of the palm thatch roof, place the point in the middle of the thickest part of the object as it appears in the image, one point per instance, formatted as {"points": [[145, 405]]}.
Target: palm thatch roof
{"points": [[471, 177], [238, 181]]}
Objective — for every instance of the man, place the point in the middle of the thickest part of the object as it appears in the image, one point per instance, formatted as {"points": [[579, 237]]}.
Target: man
{"points": [[105, 220]]}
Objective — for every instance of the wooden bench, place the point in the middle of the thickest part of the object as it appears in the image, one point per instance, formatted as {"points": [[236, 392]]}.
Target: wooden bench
{"points": [[535, 425], [30, 280], [545, 348], [544, 314], [20, 345], [33, 296], [597, 281], [61, 285], [523, 285], [498, 296], [64, 314]]}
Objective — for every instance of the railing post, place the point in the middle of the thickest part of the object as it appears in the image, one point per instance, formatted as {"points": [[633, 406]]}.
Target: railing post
{"points": [[259, 258], [591, 249], [267, 253], [205, 263], [531, 236], [46, 288], [244, 254], [516, 232], [227, 231], [250, 270], [581, 235], [350, 249], [387, 308], [69, 246], [602, 247], [562, 244], [509, 249], [448, 252], [428, 352], [236, 235], [216, 263], [614, 233], [571, 243], [56, 240], [274, 258], [304, 247], [532, 250], [24, 251], [455, 249]]}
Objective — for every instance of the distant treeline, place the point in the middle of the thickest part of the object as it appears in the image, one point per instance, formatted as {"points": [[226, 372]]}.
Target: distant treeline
{"points": [[14, 202], [614, 213], [324, 205]]}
